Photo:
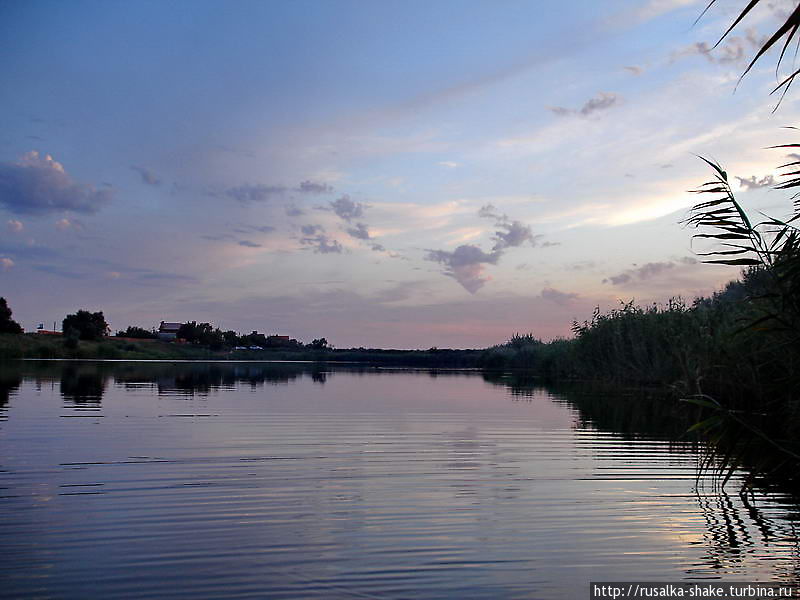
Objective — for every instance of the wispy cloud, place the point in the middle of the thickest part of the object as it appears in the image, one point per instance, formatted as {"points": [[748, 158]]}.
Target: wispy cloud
{"points": [[601, 102], [147, 176], [648, 271], [6, 263], [14, 226], [557, 297], [255, 193]]}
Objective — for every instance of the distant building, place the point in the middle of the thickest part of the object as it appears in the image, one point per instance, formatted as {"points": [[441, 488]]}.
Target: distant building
{"points": [[168, 331]]}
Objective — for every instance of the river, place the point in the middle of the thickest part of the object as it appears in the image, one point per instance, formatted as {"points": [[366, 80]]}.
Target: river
{"points": [[239, 480]]}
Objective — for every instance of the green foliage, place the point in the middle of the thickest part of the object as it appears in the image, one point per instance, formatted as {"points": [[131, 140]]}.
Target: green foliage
{"points": [[89, 326], [137, 333], [319, 344], [7, 324], [202, 334]]}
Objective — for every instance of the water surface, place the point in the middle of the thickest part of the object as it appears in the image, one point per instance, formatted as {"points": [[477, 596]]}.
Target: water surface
{"points": [[240, 480]]}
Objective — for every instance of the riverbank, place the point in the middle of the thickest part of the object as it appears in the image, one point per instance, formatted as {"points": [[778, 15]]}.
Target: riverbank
{"points": [[15, 346]]}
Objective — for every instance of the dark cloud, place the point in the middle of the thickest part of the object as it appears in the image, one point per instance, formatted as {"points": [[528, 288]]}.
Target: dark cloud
{"points": [[347, 209], [315, 237], [488, 211], [359, 232], [553, 295], [254, 228], [219, 237], [509, 234], [602, 101], [309, 230], [322, 244], [294, 211], [754, 183], [255, 193], [648, 271], [378, 248], [40, 185], [314, 187], [465, 264], [513, 234], [249, 244], [147, 175], [634, 70]]}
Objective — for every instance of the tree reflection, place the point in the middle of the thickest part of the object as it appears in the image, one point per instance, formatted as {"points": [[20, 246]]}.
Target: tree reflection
{"points": [[83, 385]]}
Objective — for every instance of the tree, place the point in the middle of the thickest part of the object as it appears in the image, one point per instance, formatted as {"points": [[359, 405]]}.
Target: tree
{"points": [[137, 332], [7, 324], [89, 326], [319, 344]]}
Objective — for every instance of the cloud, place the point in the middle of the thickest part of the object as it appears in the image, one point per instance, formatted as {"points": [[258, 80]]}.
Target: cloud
{"points": [[653, 9], [65, 224], [346, 209], [40, 185], [218, 237], [488, 211], [294, 211], [510, 234], [754, 183], [602, 101], [448, 163], [465, 264], [634, 70], [377, 248], [648, 271], [256, 228], [359, 232], [732, 51], [14, 226], [262, 192], [6, 263], [513, 234], [314, 187], [553, 295], [147, 175], [315, 237], [249, 244], [255, 193], [309, 230]]}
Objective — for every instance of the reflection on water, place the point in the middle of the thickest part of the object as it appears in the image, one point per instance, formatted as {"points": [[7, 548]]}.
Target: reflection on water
{"points": [[296, 481]]}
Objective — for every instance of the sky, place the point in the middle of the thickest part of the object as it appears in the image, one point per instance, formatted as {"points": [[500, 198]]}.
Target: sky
{"points": [[384, 174]]}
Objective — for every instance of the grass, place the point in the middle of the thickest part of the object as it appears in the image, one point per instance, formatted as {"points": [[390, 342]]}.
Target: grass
{"points": [[14, 346]]}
